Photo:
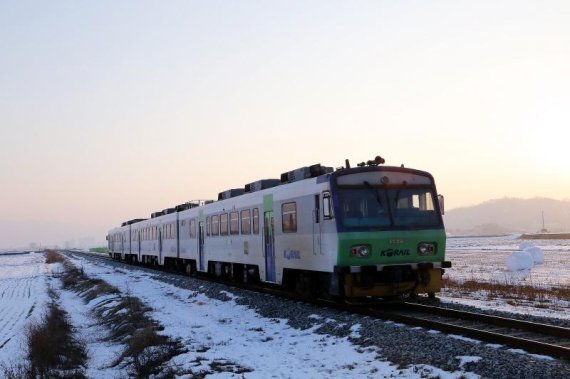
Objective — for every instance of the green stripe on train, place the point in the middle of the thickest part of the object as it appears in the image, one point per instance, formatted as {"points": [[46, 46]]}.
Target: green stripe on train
{"points": [[390, 247]]}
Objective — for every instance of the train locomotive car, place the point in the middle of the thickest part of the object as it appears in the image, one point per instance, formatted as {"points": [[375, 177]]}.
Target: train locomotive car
{"points": [[367, 231]]}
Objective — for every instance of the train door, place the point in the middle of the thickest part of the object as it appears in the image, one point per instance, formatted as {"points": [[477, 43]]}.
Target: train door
{"points": [[317, 226], [159, 245], [201, 245], [139, 249], [269, 239], [123, 238]]}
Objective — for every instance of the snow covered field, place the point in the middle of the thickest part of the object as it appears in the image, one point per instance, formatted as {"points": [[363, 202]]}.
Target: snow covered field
{"points": [[484, 259], [254, 346], [23, 297]]}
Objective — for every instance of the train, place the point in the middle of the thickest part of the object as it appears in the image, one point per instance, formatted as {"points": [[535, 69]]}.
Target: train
{"points": [[369, 231]]}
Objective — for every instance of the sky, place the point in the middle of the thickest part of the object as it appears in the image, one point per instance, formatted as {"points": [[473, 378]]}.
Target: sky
{"points": [[112, 110]]}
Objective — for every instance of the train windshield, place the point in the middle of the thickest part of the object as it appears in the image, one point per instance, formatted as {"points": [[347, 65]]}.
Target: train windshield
{"points": [[373, 208]]}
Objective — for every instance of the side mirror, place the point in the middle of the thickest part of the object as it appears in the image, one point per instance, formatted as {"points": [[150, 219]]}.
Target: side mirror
{"points": [[441, 200]]}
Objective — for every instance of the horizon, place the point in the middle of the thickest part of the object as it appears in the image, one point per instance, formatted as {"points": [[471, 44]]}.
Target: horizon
{"points": [[84, 241], [111, 111]]}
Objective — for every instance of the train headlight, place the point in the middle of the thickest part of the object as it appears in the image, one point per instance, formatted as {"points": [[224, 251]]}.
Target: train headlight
{"points": [[360, 251], [427, 248]]}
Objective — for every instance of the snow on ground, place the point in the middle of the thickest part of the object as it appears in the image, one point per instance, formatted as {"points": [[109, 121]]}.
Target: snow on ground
{"points": [[226, 333], [223, 332], [23, 298], [486, 259]]}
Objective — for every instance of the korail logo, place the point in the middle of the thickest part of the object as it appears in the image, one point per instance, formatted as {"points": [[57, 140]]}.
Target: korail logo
{"points": [[394, 252], [291, 254]]}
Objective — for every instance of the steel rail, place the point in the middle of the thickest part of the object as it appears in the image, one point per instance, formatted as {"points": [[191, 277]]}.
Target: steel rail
{"points": [[535, 327], [510, 333]]}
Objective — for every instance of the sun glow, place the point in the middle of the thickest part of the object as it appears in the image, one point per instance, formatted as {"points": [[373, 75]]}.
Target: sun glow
{"points": [[549, 138]]}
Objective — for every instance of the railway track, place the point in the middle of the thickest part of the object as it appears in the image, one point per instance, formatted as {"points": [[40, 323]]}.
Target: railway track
{"points": [[533, 337]]}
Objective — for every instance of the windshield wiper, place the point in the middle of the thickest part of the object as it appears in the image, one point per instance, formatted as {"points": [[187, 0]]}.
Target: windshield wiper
{"points": [[375, 192]]}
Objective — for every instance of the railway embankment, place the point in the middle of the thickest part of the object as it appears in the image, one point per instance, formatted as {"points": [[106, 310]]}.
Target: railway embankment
{"points": [[396, 343]]}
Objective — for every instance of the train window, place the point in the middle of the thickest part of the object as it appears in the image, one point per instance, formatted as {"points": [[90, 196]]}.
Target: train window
{"points": [[234, 223], [215, 226], [289, 217], [255, 219], [208, 225], [327, 206], [192, 228], [224, 224], [245, 221]]}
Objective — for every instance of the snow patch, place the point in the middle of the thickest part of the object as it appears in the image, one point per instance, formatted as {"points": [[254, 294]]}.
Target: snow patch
{"points": [[464, 359], [355, 331], [462, 338]]}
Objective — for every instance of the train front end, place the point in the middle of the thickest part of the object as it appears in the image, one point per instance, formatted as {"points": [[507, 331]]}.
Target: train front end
{"points": [[391, 238]]}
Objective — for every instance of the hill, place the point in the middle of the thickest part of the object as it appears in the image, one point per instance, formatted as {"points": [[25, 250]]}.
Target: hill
{"points": [[509, 215]]}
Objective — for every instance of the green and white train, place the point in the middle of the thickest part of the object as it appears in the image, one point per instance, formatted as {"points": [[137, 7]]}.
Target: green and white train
{"points": [[367, 231]]}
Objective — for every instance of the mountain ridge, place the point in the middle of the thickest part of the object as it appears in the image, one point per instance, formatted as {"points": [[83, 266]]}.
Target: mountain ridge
{"points": [[509, 215]]}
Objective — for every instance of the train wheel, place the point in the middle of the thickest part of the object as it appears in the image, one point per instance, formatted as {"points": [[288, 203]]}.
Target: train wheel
{"points": [[188, 269]]}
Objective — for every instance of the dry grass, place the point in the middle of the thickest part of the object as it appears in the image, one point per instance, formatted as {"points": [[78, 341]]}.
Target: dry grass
{"points": [[53, 256], [509, 291], [128, 322], [52, 349]]}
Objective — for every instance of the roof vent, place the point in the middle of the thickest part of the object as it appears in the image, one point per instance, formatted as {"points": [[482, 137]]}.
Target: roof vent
{"points": [[305, 173], [134, 221], [168, 211], [157, 214], [230, 193], [182, 207], [261, 185]]}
